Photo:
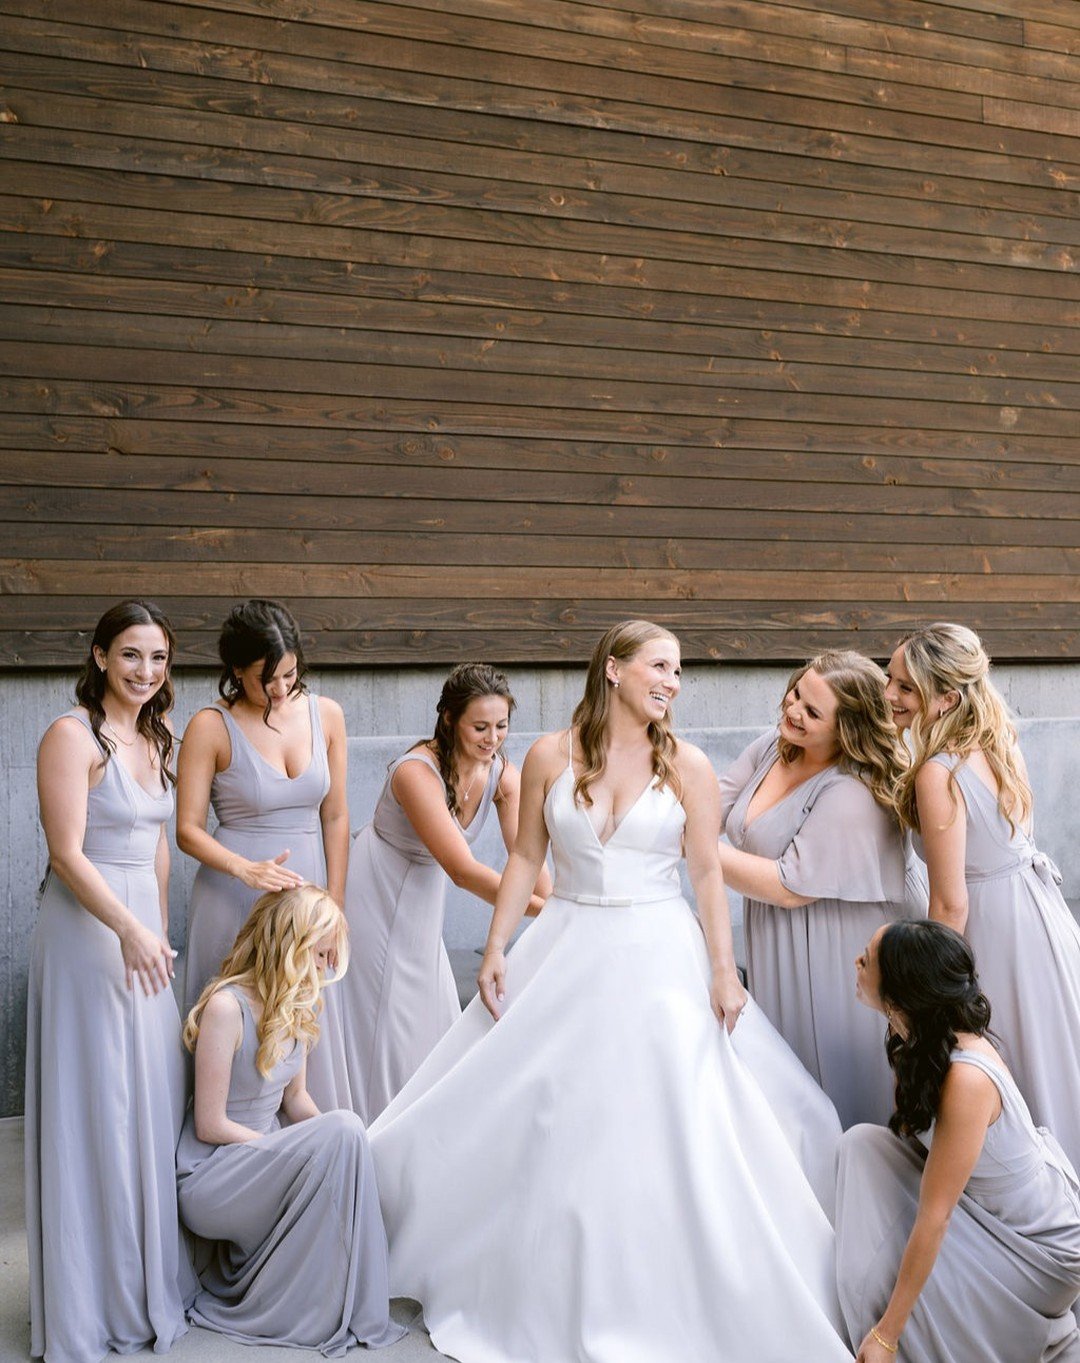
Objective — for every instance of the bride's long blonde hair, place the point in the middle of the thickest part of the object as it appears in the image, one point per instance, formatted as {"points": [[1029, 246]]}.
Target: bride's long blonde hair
{"points": [[870, 745], [945, 657], [621, 642], [274, 959]]}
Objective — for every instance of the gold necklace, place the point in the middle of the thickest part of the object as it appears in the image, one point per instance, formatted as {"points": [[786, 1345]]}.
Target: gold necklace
{"points": [[127, 742]]}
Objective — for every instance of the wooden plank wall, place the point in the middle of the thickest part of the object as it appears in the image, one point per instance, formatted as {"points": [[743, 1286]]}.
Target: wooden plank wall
{"points": [[467, 326]]}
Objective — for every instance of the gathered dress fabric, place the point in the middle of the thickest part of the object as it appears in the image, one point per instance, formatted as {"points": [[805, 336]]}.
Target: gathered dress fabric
{"points": [[1027, 954], [603, 1176], [834, 844], [261, 812], [290, 1243], [398, 996], [104, 1106], [1008, 1270]]}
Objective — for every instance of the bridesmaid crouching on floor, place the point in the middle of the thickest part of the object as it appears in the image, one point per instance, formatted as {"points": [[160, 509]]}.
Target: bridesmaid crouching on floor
{"points": [[104, 1068], [958, 1230], [817, 851], [297, 1251]]}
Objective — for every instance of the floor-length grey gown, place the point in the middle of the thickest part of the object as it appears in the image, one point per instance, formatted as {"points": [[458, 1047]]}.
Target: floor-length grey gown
{"points": [[292, 1248], [398, 996], [833, 843], [1027, 953], [260, 812], [1008, 1270], [104, 1105]]}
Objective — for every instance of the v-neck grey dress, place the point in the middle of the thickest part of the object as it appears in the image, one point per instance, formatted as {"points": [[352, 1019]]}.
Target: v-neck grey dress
{"points": [[1008, 1271], [260, 812], [292, 1248], [833, 843], [1027, 953], [398, 996], [104, 1106]]}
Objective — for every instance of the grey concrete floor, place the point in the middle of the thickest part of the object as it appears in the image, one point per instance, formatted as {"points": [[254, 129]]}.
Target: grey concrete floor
{"points": [[197, 1346]]}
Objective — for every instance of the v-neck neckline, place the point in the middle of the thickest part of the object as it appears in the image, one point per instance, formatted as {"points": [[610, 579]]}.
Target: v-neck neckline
{"points": [[749, 822], [282, 775], [606, 842]]}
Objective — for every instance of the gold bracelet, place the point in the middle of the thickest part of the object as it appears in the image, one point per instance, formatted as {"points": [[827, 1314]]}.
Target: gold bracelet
{"points": [[892, 1348]]}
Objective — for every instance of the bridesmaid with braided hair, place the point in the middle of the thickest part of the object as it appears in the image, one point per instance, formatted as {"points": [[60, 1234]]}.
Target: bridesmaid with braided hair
{"points": [[400, 997]]}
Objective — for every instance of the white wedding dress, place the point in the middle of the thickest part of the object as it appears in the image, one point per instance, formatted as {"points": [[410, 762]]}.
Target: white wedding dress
{"points": [[604, 1175]]}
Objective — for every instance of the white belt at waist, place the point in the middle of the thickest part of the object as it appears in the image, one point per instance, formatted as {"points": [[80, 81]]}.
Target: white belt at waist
{"points": [[612, 901]]}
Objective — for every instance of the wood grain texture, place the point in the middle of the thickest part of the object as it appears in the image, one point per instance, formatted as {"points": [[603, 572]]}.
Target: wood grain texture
{"points": [[467, 327]]}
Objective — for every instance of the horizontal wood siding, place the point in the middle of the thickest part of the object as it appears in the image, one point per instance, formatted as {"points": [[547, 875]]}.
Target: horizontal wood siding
{"points": [[467, 327]]}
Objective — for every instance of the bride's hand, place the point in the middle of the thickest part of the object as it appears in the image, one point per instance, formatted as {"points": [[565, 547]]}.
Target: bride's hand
{"points": [[728, 997], [492, 982]]}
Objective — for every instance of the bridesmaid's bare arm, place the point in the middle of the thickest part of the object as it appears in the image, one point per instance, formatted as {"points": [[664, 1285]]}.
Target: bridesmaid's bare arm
{"points": [[204, 752], [334, 810], [68, 765], [757, 878], [943, 829], [221, 1028], [297, 1104], [419, 790], [969, 1103]]}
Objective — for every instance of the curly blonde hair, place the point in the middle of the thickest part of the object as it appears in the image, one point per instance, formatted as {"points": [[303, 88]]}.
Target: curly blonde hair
{"points": [[943, 658], [273, 958], [870, 744], [621, 642]]}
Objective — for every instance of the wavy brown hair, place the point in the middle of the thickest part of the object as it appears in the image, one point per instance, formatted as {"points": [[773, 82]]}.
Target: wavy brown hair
{"points": [[273, 958], [870, 744], [621, 642], [944, 657], [466, 683], [90, 687], [928, 974]]}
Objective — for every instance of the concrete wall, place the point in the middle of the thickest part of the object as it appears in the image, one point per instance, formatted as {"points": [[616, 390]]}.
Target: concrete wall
{"points": [[720, 708]]}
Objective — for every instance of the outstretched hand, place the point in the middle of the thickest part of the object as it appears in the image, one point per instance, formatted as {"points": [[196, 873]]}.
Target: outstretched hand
{"points": [[267, 875]]}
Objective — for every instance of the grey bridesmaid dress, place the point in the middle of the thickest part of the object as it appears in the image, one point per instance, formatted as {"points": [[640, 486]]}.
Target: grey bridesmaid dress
{"points": [[104, 1106], [832, 843], [290, 1241], [1027, 952], [1008, 1271], [398, 996], [261, 811]]}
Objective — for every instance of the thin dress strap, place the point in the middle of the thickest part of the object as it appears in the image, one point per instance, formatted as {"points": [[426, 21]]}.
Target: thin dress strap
{"points": [[570, 749]]}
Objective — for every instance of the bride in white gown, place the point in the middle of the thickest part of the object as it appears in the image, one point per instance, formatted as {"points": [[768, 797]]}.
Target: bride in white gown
{"points": [[611, 1161]]}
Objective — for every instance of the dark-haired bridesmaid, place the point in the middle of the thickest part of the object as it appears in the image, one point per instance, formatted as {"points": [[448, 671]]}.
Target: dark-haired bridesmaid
{"points": [[270, 758], [958, 1229], [104, 1072], [399, 996]]}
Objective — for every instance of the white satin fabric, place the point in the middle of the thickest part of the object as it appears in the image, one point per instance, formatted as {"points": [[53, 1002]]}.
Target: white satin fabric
{"points": [[602, 1176]]}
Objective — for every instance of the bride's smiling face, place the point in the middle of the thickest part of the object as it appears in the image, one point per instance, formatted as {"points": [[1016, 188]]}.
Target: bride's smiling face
{"points": [[650, 680]]}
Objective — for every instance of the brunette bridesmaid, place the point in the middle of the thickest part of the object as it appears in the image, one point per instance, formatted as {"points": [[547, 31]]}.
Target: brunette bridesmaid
{"points": [[967, 797], [958, 1229], [294, 1251], [817, 852], [271, 760], [104, 1070], [400, 995]]}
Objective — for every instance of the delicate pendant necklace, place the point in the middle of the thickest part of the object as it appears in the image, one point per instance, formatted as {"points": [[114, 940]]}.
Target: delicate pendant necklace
{"points": [[127, 742]]}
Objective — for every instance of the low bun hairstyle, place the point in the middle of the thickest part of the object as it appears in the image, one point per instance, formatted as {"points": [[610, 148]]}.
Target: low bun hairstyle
{"points": [[254, 630], [467, 682], [927, 973]]}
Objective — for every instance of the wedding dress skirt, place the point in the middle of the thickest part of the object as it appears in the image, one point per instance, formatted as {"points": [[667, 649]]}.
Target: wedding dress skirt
{"points": [[604, 1175]]}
